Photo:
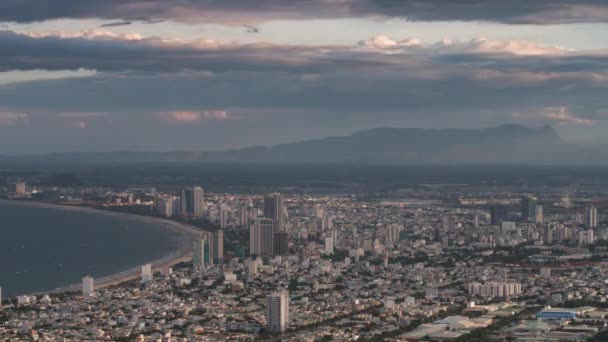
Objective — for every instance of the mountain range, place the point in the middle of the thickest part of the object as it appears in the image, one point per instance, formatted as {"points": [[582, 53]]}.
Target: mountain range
{"points": [[503, 144]]}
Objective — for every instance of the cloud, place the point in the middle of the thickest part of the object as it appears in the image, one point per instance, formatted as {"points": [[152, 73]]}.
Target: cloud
{"points": [[16, 76], [558, 115], [238, 11], [384, 42], [105, 51], [14, 119], [154, 87], [478, 45], [92, 34], [196, 116], [78, 115]]}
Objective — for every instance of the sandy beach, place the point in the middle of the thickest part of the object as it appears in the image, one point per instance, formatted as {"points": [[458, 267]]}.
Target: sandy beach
{"points": [[184, 253]]}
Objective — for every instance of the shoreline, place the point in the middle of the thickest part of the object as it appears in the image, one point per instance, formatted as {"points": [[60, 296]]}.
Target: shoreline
{"points": [[183, 253]]}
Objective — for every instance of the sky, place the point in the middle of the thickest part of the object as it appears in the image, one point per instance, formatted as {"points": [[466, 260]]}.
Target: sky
{"points": [[158, 75]]}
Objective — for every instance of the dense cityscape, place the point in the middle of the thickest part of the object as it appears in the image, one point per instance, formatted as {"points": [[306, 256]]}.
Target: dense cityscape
{"points": [[435, 262]]}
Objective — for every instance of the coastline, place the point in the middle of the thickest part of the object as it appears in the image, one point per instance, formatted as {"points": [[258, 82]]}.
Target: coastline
{"points": [[184, 253]]}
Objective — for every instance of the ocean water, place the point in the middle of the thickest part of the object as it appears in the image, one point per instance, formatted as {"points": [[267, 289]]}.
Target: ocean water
{"points": [[42, 249]]}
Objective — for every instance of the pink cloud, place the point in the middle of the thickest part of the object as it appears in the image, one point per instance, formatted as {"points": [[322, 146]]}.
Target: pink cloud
{"points": [[196, 116], [558, 115]]}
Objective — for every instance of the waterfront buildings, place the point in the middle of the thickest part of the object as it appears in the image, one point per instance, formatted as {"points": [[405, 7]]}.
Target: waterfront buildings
{"points": [[87, 286], [192, 201], [17, 188], [146, 273]]}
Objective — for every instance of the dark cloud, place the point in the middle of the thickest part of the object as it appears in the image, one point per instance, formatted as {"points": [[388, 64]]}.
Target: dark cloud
{"points": [[117, 23], [112, 53], [235, 11], [275, 93]]}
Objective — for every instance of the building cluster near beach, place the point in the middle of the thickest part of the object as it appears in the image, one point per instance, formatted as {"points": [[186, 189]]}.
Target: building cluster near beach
{"points": [[434, 263]]}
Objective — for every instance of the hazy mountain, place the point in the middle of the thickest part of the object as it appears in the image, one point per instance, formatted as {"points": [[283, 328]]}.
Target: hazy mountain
{"points": [[503, 144]]}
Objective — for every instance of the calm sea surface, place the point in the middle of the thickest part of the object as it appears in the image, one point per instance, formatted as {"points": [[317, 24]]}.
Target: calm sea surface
{"points": [[45, 248]]}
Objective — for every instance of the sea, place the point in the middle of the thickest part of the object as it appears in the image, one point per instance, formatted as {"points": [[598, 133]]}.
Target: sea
{"points": [[45, 248]]}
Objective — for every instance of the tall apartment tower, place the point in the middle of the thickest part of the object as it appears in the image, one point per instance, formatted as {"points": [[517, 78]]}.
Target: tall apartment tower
{"points": [[214, 247], [261, 237], [198, 253], [198, 205], [277, 312], [218, 244], [88, 286], [538, 214], [146, 273], [273, 209], [591, 217], [185, 196]]}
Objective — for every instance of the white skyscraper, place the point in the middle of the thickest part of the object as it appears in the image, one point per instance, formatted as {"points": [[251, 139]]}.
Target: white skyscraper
{"points": [[88, 286], [277, 312], [146, 273]]}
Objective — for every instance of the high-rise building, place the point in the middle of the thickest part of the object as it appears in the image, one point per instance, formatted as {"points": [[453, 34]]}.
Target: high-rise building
{"points": [[198, 204], [261, 237], [549, 234], [277, 312], [88, 286], [528, 207], [198, 253], [329, 245], [185, 196], [17, 188], [591, 217], [214, 248], [218, 247], [244, 215], [280, 241], [146, 273], [273, 209], [498, 213], [192, 201], [223, 217], [165, 207], [538, 214], [585, 237]]}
